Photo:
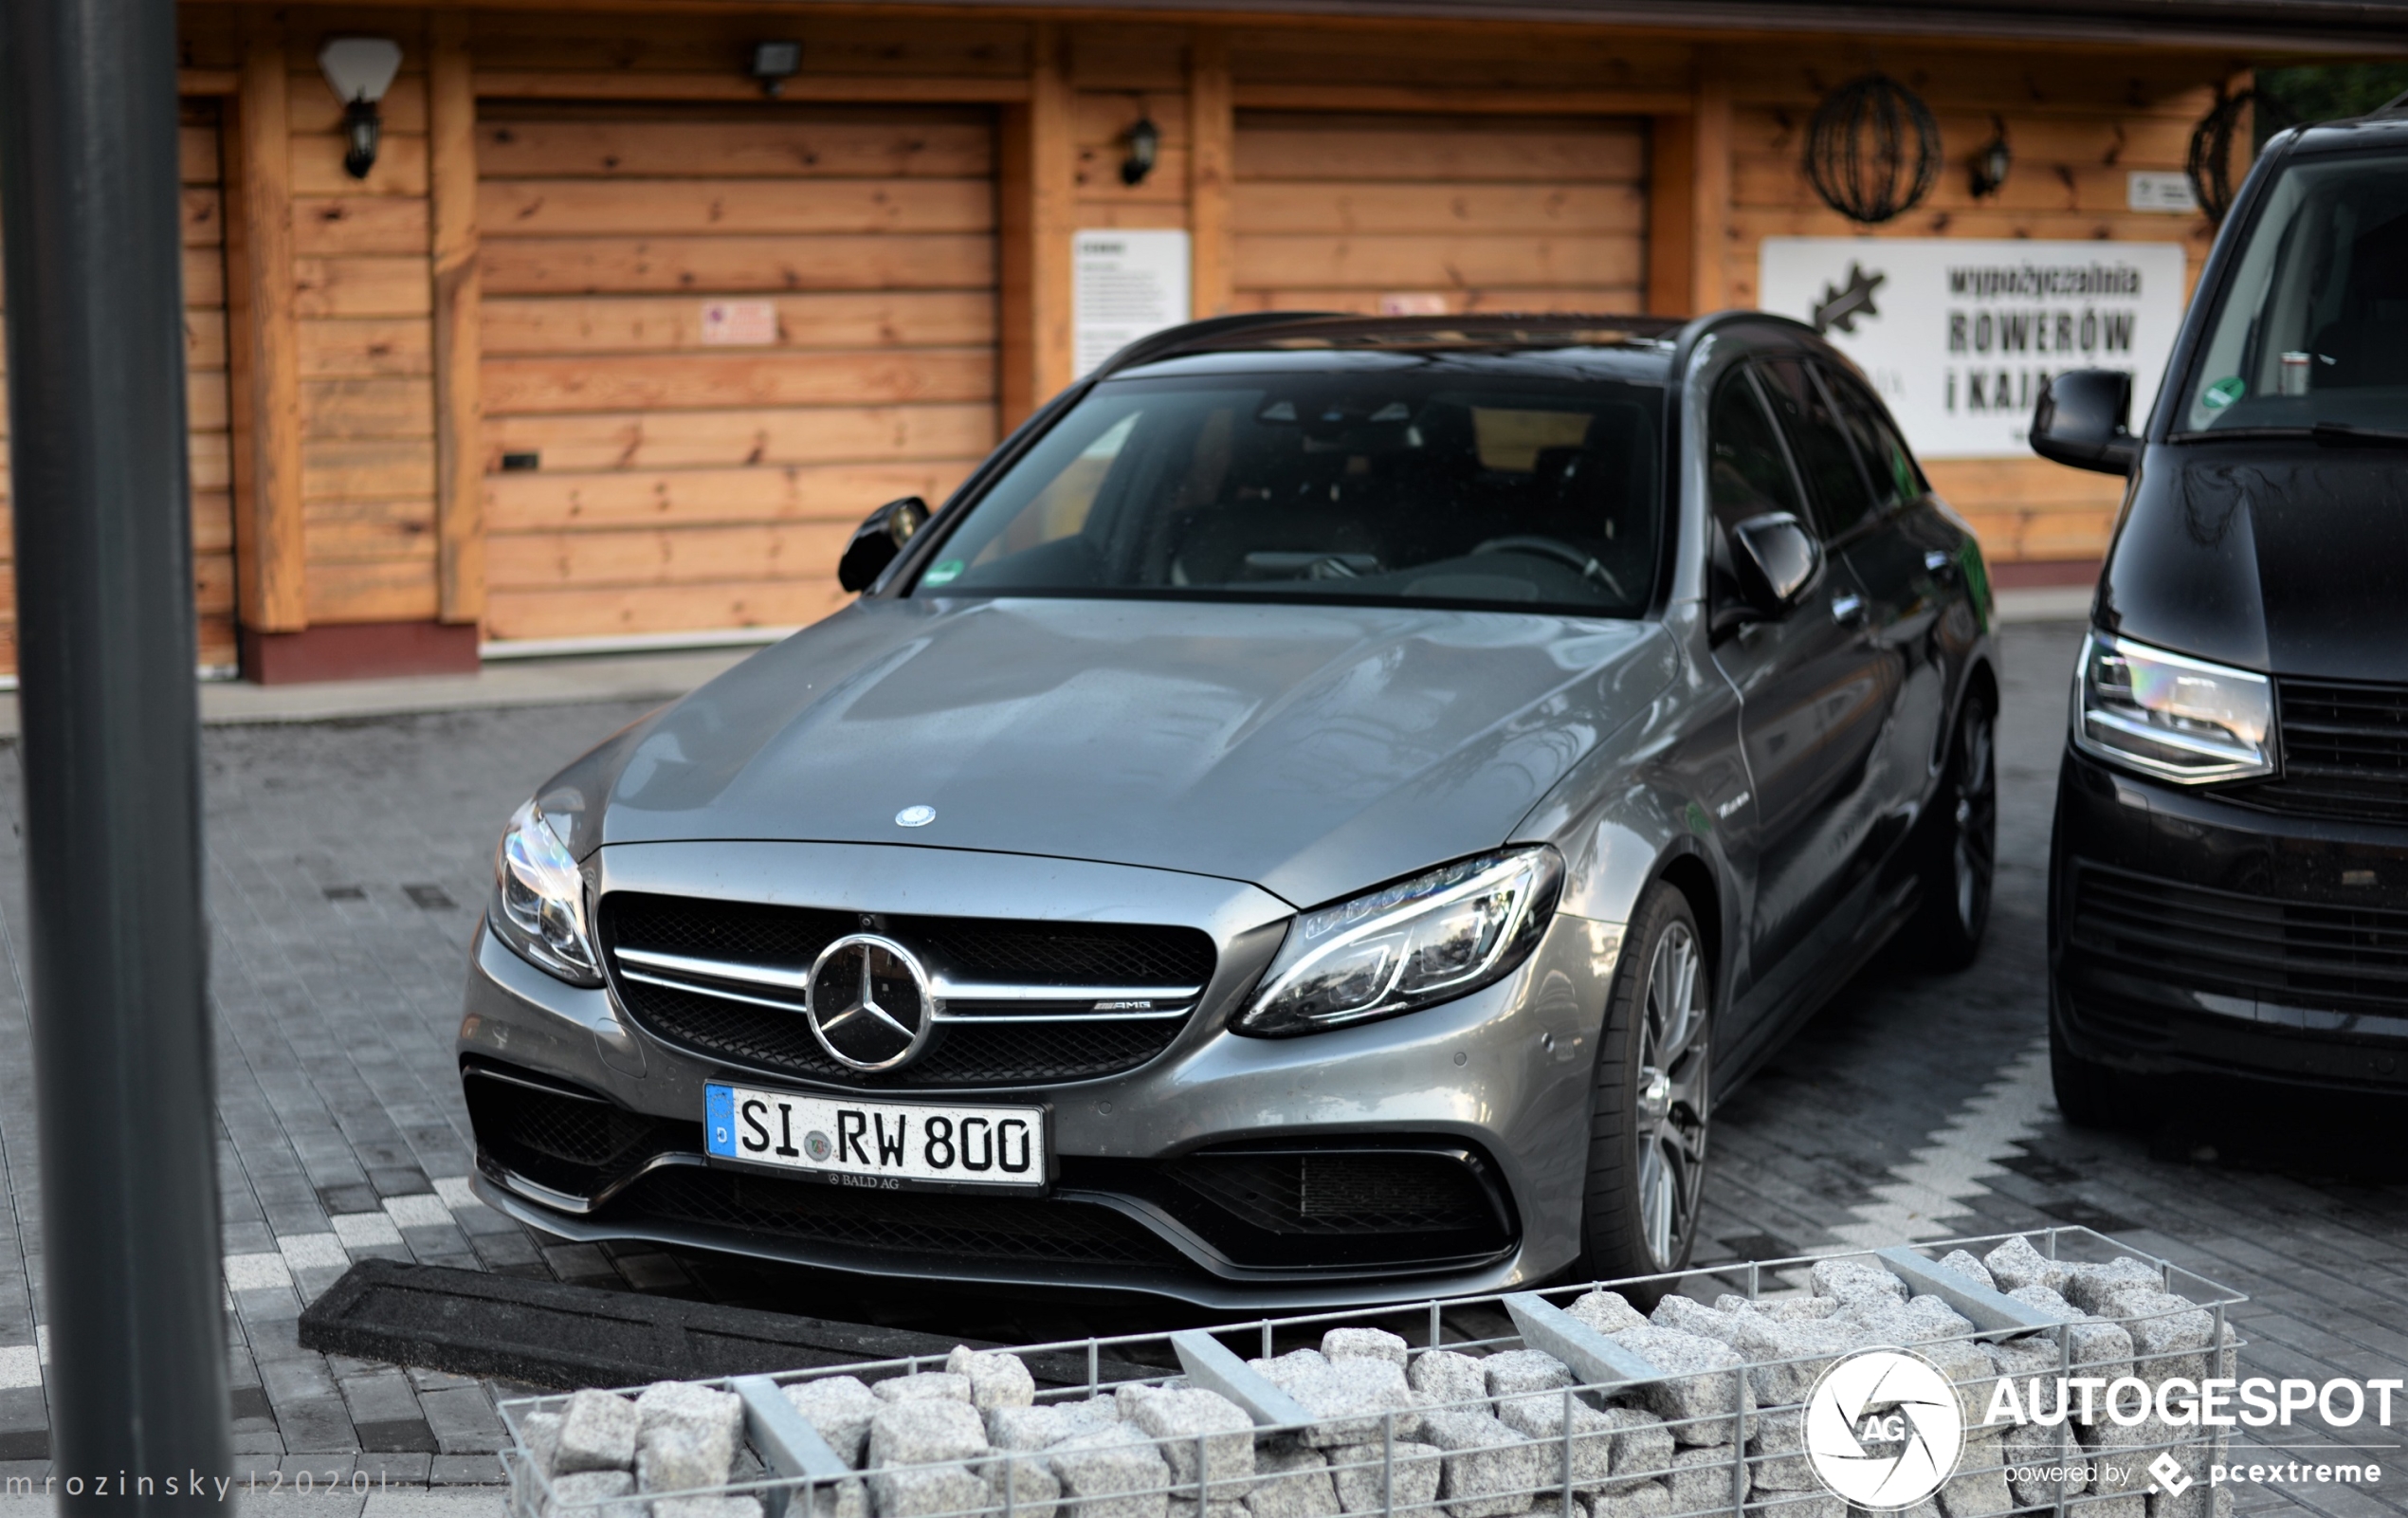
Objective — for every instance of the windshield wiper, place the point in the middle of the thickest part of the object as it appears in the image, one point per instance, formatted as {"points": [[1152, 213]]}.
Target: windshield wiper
{"points": [[2343, 435]]}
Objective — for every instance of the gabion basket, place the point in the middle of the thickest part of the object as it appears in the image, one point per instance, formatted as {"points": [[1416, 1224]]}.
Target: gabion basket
{"points": [[1566, 1401]]}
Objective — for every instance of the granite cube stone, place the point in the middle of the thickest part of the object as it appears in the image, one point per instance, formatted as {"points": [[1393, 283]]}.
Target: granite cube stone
{"points": [[1190, 1508], [1191, 1423], [540, 1434], [924, 1490], [1519, 1372], [1351, 1401], [1034, 1491], [1641, 1499], [593, 1494], [684, 1456], [2040, 1466], [1776, 1454], [2016, 1263], [1851, 1280], [1541, 1418], [1966, 1264], [741, 1507], [1702, 1478], [1705, 1396], [1442, 1378], [1293, 1481], [1487, 1470], [1355, 1469], [1642, 1446], [1687, 1315], [925, 1431], [840, 1408], [597, 1432], [1363, 1343], [683, 1401], [928, 1385], [2093, 1287], [1607, 1311], [996, 1378], [1979, 1487], [1787, 1358], [1111, 1473]]}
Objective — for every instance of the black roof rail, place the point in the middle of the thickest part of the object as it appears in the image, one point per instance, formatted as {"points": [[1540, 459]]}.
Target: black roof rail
{"points": [[1171, 339]]}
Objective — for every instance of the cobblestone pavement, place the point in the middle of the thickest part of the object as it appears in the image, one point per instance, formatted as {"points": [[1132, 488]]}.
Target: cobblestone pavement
{"points": [[348, 862]]}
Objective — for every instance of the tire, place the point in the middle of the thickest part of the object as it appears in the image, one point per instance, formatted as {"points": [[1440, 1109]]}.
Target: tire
{"points": [[1649, 1113], [1960, 853]]}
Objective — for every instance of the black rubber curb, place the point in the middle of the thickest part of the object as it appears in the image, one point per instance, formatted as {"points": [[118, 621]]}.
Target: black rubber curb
{"points": [[549, 1333]]}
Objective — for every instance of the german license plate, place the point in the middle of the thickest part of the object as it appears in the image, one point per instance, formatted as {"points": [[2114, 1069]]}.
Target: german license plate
{"points": [[885, 1144]]}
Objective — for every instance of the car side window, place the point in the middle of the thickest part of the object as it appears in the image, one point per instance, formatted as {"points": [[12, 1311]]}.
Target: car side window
{"points": [[1748, 475], [1896, 480], [1842, 499]]}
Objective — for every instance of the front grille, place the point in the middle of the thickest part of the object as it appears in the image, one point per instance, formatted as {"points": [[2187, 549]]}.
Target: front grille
{"points": [[934, 1228], [2344, 752], [2250, 947], [1076, 1044]]}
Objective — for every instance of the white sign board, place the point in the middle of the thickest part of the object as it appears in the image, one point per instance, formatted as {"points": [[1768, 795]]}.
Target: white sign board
{"points": [[1960, 336], [2143, 190], [1124, 286]]}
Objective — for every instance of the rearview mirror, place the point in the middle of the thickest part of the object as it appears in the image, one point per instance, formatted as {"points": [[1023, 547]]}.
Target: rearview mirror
{"points": [[1777, 562], [2083, 420], [878, 539]]}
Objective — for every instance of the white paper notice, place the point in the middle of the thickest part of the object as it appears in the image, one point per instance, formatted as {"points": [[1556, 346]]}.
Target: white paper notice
{"points": [[1124, 286], [1960, 336]]}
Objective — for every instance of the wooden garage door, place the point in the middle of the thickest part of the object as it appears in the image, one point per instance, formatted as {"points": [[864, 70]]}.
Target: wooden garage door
{"points": [[713, 341], [1423, 213], [211, 458]]}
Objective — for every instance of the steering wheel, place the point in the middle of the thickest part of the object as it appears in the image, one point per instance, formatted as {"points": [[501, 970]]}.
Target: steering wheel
{"points": [[1562, 552]]}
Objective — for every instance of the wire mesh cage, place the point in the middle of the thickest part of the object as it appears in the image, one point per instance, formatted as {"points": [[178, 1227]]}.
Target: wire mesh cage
{"points": [[2057, 1371], [1873, 149]]}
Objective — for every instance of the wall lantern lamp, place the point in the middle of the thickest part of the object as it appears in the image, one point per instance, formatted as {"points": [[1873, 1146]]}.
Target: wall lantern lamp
{"points": [[775, 62], [359, 70], [1992, 161], [1145, 145]]}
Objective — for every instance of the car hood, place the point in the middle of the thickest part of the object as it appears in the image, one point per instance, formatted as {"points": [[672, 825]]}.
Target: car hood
{"points": [[1310, 750], [2281, 556]]}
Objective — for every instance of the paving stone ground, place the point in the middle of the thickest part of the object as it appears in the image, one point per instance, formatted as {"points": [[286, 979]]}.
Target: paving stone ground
{"points": [[348, 862]]}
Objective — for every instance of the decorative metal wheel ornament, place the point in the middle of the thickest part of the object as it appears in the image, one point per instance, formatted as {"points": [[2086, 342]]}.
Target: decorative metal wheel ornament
{"points": [[1673, 1097], [2209, 165], [1872, 150]]}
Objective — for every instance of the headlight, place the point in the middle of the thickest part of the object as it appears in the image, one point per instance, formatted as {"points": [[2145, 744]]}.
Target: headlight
{"points": [[2165, 714], [538, 900], [1421, 940]]}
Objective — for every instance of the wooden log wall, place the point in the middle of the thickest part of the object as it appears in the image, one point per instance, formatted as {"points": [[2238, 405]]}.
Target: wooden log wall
{"points": [[522, 276]]}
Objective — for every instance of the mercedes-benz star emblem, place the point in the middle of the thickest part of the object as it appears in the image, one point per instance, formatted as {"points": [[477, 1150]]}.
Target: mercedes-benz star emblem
{"points": [[870, 1003], [919, 816]]}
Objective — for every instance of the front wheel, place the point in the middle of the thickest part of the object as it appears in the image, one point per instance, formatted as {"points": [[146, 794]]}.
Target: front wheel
{"points": [[1648, 1115], [1963, 849]]}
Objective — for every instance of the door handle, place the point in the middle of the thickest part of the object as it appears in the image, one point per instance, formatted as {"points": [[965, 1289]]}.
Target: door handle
{"points": [[1847, 609], [1941, 565]]}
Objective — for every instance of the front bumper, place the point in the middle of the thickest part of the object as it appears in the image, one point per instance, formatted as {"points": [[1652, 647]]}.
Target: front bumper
{"points": [[2193, 933], [1489, 1095]]}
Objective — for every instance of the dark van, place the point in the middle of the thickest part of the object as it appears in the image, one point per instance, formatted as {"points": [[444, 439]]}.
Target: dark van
{"points": [[2229, 885]]}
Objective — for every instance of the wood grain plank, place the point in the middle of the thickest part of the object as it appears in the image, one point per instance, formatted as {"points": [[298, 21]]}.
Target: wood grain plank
{"points": [[365, 347], [663, 608], [359, 223], [704, 556], [1711, 143], [740, 378], [1440, 207], [723, 86], [1211, 172], [403, 109], [204, 216], [368, 468], [776, 148], [2104, 137], [553, 208], [692, 40], [663, 440], [1440, 262], [371, 529], [267, 475], [661, 324], [1591, 300], [400, 167], [1451, 99], [361, 286], [681, 499], [196, 155], [388, 408], [372, 589], [590, 265], [1274, 148]]}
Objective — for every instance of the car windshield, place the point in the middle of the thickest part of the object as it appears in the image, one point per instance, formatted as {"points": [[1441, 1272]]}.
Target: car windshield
{"points": [[2313, 324], [1483, 490]]}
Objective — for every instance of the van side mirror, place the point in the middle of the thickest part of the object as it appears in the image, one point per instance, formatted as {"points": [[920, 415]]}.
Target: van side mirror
{"points": [[2084, 420], [878, 539]]}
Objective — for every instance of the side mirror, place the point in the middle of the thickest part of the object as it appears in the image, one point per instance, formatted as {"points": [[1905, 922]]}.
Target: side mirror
{"points": [[878, 539], [1777, 562], [2083, 420]]}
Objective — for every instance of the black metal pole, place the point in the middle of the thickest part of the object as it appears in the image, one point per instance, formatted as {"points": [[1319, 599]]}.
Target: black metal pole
{"points": [[88, 205]]}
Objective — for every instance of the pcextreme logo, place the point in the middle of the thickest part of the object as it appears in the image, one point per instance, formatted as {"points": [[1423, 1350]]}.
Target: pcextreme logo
{"points": [[1883, 1429]]}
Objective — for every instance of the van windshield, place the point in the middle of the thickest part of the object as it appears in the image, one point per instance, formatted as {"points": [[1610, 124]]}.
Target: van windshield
{"points": [[1491, 490], [2312, 327]]}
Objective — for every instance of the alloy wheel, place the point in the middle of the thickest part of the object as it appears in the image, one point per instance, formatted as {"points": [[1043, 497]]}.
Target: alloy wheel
{"points": [[1976, 844], [1671, 1106]]}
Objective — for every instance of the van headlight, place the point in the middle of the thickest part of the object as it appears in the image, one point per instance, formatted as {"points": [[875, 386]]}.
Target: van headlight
{"points": [[2171, 716], [1427, 939], [538, 900]]}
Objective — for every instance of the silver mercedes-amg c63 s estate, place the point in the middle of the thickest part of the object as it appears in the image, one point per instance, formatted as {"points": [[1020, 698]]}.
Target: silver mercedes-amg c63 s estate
{"points": [[1318, 817]]}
